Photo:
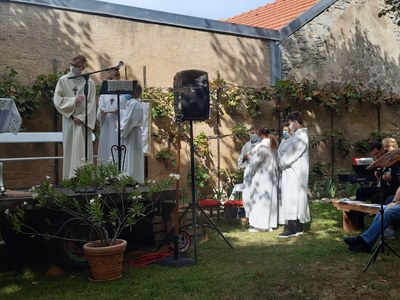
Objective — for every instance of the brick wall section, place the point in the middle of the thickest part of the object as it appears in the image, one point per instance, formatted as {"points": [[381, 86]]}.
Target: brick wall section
{"points": [[38, 40], [34, 39]]}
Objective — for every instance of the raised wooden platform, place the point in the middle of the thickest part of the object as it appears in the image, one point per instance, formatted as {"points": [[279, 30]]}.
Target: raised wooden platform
{"points": [[142, 232], [12, 198]]}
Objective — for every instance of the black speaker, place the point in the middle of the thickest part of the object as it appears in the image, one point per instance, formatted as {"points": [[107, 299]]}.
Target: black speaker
{"points": [[191, 95]]}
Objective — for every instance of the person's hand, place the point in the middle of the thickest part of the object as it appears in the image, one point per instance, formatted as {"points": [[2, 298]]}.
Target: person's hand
{"points": [[103, 112], [79, 99], [115, 112], [387, 176], [391, 204], [78, 122]]}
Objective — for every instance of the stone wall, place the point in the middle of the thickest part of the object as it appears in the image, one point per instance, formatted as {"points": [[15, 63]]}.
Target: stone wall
{"points": [[346, 43]]}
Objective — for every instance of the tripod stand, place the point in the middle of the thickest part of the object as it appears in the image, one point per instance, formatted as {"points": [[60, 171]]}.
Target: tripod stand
{"points": [[194, 206], [385, 161]]}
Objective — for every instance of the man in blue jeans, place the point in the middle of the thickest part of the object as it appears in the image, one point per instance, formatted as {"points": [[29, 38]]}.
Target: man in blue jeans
{"points": [[365, 241]]}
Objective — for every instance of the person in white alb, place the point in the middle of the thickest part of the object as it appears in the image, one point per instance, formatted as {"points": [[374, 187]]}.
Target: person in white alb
{"points": [[243, 163], [294, 163], [131, 133], [70, 102], [263, 196], [107, 115]]}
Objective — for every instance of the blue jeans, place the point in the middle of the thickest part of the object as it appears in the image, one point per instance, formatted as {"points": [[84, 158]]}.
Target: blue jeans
{"points": [[389, 200], [390, 215]]}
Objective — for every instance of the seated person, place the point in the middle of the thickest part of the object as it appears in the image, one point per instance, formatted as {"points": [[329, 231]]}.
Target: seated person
{"points": [[366, 192], [390, 176], [365, 241]]}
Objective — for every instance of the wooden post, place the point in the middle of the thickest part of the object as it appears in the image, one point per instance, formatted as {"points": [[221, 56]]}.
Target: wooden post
{"points": [[218, 138], [176, 215], [55, 128]]}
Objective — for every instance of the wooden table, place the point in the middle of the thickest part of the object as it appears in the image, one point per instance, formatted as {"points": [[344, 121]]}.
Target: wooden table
{"points": [[353, 213]]}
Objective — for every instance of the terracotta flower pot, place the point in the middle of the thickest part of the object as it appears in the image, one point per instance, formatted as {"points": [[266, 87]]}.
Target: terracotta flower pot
{"points": [[105, 262]]}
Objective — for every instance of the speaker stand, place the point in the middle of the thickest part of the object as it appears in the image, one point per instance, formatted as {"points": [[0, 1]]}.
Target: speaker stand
{"points": [[210, 223], [194, 205]]}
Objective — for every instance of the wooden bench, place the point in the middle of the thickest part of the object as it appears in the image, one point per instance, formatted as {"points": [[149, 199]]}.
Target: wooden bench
{"points": [[234, 211], [353, 213]]}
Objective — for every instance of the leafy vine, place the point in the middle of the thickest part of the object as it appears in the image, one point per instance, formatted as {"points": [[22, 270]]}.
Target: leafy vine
{"points": [[201, 145], [23, 96]]}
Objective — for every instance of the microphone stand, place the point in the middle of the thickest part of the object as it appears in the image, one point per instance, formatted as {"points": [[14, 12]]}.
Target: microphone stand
{"points": [[86, 92], [119, 148]]}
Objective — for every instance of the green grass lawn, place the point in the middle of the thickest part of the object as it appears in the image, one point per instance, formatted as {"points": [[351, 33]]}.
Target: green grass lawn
{"points": [[316, 265]]}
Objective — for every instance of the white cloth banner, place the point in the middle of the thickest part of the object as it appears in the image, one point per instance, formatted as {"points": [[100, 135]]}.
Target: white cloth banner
{"points": [[10, 120]]}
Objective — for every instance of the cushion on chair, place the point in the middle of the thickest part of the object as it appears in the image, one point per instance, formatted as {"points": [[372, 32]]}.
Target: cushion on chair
{"points": [[234, 203], [209, 203]]}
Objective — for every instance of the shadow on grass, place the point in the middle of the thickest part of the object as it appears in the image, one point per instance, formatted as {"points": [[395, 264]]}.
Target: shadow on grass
{"points": [[316, 265]]}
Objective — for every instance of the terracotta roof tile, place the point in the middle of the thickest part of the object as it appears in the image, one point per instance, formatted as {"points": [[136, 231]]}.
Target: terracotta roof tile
{"points": [[273, 15]]}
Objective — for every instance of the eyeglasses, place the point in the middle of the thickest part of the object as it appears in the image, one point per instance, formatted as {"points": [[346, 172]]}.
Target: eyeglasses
{"points": [[74, 65]]}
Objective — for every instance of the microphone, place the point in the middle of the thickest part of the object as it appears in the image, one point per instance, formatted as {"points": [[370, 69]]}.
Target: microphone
{"points": [[120, 64]]}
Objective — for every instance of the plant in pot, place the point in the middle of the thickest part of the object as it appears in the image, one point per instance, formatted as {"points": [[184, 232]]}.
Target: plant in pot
{"points": [[93, 209]]}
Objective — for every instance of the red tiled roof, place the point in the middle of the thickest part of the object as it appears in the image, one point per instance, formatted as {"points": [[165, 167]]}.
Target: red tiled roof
{"points": [[273, 15]]}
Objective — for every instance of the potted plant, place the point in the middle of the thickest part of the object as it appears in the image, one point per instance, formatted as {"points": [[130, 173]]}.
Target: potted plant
{"points": [[99, 201]]}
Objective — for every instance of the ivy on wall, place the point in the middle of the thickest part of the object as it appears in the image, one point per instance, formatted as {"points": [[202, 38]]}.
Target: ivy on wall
{"points": [[28, 98], [45, 85], [22, 95], [163, 102], [335, 98]]}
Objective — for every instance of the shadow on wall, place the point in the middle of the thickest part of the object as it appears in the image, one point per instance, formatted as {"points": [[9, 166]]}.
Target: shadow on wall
{"points": [[342, 58], [249, 55], [362, 61], [60, 35], [45, 39], [39, 41]]}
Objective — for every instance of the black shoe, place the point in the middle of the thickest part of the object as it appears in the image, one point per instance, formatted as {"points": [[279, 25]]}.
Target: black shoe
{"points": [[289, 230], [287, 234], [353, 240], [363, 247], [300, 228]]}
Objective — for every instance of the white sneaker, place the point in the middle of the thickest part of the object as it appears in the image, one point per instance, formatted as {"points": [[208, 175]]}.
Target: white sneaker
{"points": [[252, 229]]}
